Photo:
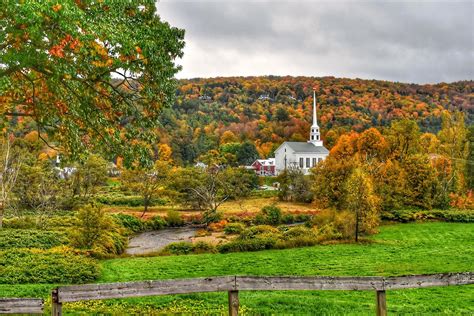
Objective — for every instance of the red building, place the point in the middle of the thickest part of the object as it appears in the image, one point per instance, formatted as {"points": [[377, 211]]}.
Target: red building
{"points": [[264, 167]]}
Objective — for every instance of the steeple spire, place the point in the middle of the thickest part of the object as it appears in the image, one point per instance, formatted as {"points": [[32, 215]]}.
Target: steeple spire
{"points": [[315, 136]]}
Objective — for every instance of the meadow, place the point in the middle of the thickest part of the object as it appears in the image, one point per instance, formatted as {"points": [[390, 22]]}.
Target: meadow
{"points": [[415, 248]]}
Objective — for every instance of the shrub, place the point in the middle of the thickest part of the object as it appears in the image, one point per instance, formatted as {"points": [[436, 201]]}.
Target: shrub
{"points": [[333, 225], [270, 214], [217, 226], [97, 231], [300, 218], [130, 222], [186, 247], [254, 244], [20, 222], [298, 236], [174, 219], [254, 231], [179, 248], [288, 219], [127, 200], [57, 265], [155, 223], [234, 228], [410, 215], [203, 247], [31, 238], [211, 216]]}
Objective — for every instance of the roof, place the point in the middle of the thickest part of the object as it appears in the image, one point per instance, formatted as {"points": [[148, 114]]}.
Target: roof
{"points": [[265, 162], [305, 147]]}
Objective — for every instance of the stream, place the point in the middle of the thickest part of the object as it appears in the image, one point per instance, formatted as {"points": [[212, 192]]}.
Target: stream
{"points": [[154, 241]]}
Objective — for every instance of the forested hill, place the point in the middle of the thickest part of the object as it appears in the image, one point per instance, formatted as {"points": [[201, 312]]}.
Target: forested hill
{"points": [[270, 110]]}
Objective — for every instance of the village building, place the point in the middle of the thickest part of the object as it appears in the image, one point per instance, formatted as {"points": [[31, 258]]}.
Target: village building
{"points": [[264, 167], [302, 155]]}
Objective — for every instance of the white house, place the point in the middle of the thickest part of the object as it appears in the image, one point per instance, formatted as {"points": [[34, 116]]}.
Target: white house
{"points": [[303, 155]]}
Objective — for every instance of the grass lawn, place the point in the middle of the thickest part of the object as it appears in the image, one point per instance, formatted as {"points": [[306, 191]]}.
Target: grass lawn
{"points": [[397, 250]]}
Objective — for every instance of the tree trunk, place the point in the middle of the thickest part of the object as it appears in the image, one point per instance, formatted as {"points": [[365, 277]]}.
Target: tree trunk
{"points": [[1, 214], [357, 227], [145, 204]]}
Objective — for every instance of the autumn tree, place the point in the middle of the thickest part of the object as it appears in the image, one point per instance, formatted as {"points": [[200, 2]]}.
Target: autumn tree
{"points": [[403, 138], [149, 183], [421, 181], [91, 73], [455, 145], [361, 200]]}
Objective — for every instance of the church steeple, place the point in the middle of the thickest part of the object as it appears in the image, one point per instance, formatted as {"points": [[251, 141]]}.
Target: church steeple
{"points": [[315, 136]]}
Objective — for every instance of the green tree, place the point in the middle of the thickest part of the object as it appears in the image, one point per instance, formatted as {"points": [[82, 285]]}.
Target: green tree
{"points": [[149, 183], [247, 154], [93, 73], [89, 176], [294, 186], [361, 200]]}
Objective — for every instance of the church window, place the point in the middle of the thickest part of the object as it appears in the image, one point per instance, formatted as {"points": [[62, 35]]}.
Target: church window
{"points": [[301, 163], [317, 137], [308, 160], [320, 159], [314, 162]]}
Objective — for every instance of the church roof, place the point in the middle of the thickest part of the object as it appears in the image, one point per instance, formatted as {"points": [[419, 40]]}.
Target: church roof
{"points": [[305, 147]]}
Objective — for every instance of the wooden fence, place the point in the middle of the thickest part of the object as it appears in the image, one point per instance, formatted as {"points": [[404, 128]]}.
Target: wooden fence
{"points": [[234, 284], [21, 306]]}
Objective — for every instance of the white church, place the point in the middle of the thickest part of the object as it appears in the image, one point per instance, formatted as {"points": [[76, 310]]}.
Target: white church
{"points": [[302, 155]]}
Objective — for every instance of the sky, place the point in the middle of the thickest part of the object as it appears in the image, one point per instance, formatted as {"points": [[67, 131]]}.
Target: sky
{"points": [[405, 41]]}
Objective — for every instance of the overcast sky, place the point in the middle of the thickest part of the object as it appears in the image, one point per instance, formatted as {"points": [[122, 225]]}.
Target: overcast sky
{"points": [[407, 41]]}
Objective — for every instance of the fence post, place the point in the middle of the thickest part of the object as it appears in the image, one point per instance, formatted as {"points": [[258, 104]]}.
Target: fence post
{"points": [[57, 307], [233, 303], [381, 303]]}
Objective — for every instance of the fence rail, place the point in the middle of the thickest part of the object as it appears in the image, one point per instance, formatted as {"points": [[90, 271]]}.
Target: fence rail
{"points": [[21, 306], [234, 284]]}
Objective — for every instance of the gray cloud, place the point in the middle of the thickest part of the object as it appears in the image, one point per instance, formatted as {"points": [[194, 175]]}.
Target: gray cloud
{"points": [[409, 41]]}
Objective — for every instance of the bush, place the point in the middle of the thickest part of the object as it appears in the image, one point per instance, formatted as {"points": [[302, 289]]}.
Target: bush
{"points": [[255, 244], [254, 231], [97, 232], [155, 223], [174, 219], [203, 247], [31, 238], [186, 247], [333, 225], [130, 222], [411, 215], [298, 236], [127, 200], [288, 219], [57, 265], [179, 248], [270, 214], [233, 228], [20, 222]]}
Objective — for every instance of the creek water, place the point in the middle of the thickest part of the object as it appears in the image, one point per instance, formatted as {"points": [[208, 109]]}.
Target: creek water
{"points": [[156, 240]]}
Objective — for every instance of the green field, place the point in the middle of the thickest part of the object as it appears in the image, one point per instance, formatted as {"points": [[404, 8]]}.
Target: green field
{"points": [[396, 250]]}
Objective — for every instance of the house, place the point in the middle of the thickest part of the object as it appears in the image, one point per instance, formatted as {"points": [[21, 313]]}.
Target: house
{"points": [[264, 167], [302, 155]]}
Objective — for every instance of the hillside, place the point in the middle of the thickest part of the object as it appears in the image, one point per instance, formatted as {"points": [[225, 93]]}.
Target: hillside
{"points": [[270, 110]]}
